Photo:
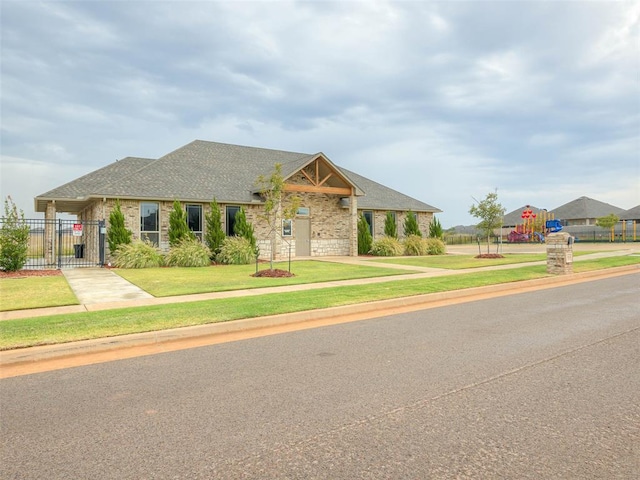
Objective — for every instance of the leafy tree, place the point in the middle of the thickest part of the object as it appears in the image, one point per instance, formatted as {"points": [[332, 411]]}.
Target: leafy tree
{"points": [[242, 228], [390, 229], [490, 212], [272, 191], [214, 235], [365, 240], [435, 229], [14, 238], [608, 222], [117, 233], [411, 225], [178, 227]]}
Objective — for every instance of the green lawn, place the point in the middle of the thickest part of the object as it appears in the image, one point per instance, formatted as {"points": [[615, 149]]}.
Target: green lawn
{"points": [[81, 326], [165, 282], [35, 292], [459, 262]]}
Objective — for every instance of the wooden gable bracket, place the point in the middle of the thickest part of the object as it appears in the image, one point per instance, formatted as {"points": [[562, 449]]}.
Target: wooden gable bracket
{"points": [[317, 183]]}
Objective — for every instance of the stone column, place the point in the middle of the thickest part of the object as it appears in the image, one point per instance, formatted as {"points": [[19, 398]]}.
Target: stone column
{"points": [[559, 253], [353, 213], [50, 233]]}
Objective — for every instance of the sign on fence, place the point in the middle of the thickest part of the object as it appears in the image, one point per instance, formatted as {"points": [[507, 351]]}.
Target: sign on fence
{"points": [[77, 229]]}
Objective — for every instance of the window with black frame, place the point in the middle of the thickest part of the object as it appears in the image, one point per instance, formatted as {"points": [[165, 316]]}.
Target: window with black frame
{"points": [[230, 217], [149, 224], [194, 220]]}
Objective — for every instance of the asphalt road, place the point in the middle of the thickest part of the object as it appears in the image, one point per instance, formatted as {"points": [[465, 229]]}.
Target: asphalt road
{"points": [[538, 385]]}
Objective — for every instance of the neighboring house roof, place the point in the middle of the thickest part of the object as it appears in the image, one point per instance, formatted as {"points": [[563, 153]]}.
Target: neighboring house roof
{"points": [[584, 207], [631, 214], [201, 170]]}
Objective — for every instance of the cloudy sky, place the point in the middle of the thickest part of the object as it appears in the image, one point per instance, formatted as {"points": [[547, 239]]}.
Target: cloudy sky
{"points": [[443, 101]]}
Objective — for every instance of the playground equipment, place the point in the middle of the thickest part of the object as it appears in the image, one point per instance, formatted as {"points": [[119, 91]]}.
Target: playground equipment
{"points": [[531, 230]]}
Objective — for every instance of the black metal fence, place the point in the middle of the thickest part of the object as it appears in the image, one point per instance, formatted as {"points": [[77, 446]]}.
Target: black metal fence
{"points": [[65, 243]]}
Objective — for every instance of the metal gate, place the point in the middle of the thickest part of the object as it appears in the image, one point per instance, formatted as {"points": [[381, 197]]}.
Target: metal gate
{"points": [[65, 243]]}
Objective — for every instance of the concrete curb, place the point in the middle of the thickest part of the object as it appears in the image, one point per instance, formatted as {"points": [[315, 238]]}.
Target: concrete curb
{"points": [[363, 310]]}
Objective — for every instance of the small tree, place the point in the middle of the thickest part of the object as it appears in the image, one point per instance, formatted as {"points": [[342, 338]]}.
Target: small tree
{"points": [[214, 235], [435, 229], [14, 238], [242, 228], [272, 191], [411, 225], [365, 240], [390, 228], [117, 233], [608, 222], [178, 228], [490, 212]]}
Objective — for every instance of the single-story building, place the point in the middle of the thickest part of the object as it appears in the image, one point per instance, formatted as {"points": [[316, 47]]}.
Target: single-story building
{"points": [[584, 211], [332, 198]]}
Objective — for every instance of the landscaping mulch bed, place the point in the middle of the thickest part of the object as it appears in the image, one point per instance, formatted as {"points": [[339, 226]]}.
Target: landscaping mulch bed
{"points": [[489, 255], [273, 273], [30, 273]]}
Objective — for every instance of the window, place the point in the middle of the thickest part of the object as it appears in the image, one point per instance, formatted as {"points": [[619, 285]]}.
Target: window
{"points": [[149, 225], [303, 211], [232, 210], [368, 216], [287, 227], [194, 220]]}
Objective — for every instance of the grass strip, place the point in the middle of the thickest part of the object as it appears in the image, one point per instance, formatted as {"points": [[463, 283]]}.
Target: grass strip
{"points": [[459, 262], [165, 282], [35, 292], [88, 325]]}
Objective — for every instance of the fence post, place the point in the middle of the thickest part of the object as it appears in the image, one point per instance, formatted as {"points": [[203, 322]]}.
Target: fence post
{"points": [[59, 246], [102, 230]]}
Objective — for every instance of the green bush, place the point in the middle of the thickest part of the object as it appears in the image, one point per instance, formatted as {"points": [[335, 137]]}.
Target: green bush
{"points": [[14, 238], [435, 246], [435, 229], [387, 247], [236, 251], [117, 233], [138, 254], [243, 228], [411, 224], [364, 236], [178, 228], [415, 246], [188, 253], [390, 228], [214, 235]]}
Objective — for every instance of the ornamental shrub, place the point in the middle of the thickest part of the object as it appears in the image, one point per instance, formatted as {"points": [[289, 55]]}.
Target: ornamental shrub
{"points": [[387, 247], [415, 246], [435, 246], [117, 233], [390, 228], [236, 251], [214, 235], [178, 228], [14, 238], [188, 253], [242, 228], [411, 225], [138, 254], [364, 236], [435, 229]]}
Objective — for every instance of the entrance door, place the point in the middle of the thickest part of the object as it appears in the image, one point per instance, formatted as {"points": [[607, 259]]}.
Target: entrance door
{"points": [[303, 245]]}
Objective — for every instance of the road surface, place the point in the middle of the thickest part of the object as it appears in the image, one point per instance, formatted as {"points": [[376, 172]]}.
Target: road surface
{"points": [[544, 384]]}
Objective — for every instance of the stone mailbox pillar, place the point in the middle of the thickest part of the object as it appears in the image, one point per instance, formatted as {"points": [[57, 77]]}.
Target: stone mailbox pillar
{"points": [[559, 253]]}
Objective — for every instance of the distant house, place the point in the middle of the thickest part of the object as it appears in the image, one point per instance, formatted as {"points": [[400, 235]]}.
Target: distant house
{"points": [[333, 198], [631, 214], [584, 211]]}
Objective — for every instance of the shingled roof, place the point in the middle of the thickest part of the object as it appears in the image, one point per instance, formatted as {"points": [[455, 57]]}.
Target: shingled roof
{"points": [[631, 214], [200, 171], [584, 207]]}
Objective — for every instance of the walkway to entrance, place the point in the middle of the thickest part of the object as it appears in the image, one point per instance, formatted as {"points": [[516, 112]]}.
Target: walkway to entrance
{"points": [[101, 285]]}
